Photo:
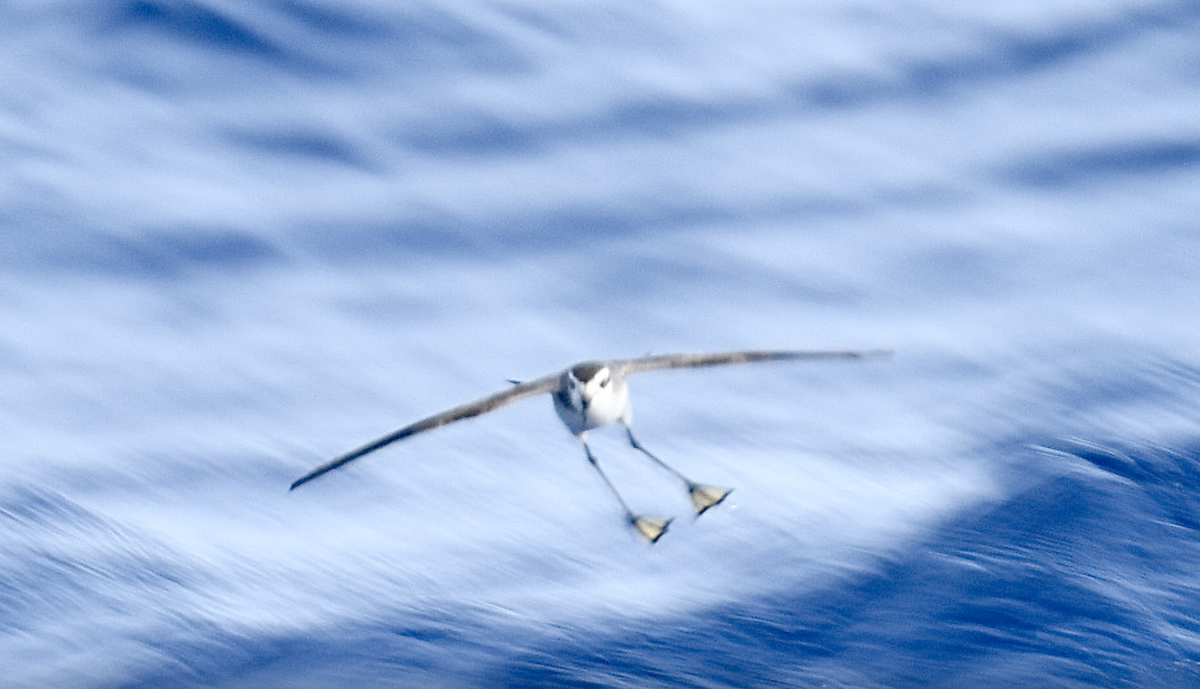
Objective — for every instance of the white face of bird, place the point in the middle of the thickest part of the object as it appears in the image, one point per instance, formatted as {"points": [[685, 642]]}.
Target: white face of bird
{"points": [[598, 384], [586, 383]]}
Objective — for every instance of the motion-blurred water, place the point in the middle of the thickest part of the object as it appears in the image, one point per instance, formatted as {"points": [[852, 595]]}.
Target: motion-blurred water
{"points": [[241, 238]]}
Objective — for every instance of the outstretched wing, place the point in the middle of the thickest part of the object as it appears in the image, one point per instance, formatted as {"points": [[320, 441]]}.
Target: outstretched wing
{"points": [[550, 383], [653, 363]]}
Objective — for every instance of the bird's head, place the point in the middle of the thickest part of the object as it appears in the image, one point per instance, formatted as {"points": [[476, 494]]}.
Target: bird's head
{"points": [[587, 381]]}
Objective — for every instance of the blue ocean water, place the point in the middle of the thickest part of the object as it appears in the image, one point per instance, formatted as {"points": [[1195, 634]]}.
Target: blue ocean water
{"points": [[242, 238]]}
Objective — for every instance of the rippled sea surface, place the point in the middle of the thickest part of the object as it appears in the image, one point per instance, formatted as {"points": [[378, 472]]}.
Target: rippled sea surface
{"points": [[241, 238]]}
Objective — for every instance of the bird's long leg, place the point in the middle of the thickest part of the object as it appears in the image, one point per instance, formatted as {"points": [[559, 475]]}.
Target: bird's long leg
{"points": [[638, 446], [651, 528], [611, 488], [703, 496]]}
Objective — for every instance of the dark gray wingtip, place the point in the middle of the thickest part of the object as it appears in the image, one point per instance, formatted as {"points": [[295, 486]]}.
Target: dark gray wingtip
{"points": [[339, 462], [305, 479]]}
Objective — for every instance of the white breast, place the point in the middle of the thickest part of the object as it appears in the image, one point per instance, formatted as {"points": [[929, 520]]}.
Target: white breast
{"points": [[607, 405], [584, 407]]}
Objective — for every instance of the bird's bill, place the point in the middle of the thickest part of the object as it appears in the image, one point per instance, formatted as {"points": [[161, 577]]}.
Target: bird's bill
{"points": [[704, 497]]}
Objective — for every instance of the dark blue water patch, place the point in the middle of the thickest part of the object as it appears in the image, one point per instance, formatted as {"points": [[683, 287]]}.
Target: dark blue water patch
{"points": [[1017, 593], [1001, 56], [332, 19], [1168, 476], [201, 38], [194, 22], [1014, 55], [162, 254], [1073, 581], [473, 134], [482, 133], [317, 41], [156, 253], [431, 37], [308, 144], [411, 239], [658, 116], [1124, 159], [557, 229]]}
